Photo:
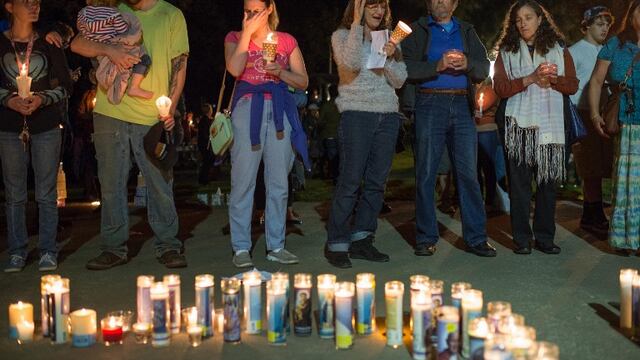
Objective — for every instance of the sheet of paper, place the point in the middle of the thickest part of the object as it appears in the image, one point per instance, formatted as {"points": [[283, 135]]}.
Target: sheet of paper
{"points": [[377, 57]]}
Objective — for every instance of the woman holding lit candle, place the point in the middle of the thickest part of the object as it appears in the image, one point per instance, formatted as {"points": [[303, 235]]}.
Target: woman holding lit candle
{"points": [[367, 131], [265, 125], [533, 72], [32, 118]]}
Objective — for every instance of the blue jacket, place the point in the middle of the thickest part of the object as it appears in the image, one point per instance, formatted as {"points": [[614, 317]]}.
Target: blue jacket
{"points": [[283, 103]]}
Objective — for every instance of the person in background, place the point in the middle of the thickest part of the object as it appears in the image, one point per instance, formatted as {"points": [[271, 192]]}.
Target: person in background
{"points": [[328, 135], [614, 61], [266, 128], [593, 155], [445, 58], [367, 131], [533, 72], [29, 131], [207, 156]]}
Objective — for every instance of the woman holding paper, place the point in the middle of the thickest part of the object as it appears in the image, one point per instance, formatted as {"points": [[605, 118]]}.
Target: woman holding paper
{"points": [[265, 125], [34, 78], [368, 128]]}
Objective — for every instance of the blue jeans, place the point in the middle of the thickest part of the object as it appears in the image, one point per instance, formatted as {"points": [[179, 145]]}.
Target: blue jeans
{"points": [[278, 157], [45, 153], [115, 140], [367, 144], [444, 121]]}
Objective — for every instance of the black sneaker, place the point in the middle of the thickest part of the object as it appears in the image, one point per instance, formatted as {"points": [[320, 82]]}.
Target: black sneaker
{"points": [[172, 259], [549, 249], [483, 250], [364, 249], [339, 259], [424, 250], [105, 261]]}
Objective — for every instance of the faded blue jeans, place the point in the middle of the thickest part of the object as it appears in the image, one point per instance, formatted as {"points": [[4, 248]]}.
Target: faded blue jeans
{"points": [[278, 157], [445, 122], [45, 155], [114, 140], [367, 142]]}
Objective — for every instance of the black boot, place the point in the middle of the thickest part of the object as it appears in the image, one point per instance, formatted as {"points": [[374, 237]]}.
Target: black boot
{"points": [[339, 259], [364, 249]]}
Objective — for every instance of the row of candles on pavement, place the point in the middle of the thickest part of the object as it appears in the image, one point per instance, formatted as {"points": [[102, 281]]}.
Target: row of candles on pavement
{"points": [[630, 301], [500, 335]]}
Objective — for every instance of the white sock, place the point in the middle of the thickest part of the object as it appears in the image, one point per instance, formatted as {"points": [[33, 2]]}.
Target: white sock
{"points": [[241, 251], [276, 251]]}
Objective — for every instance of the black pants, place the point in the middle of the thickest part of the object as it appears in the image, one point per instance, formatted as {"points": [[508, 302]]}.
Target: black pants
{"points": [[205, 166], [544, 226]]}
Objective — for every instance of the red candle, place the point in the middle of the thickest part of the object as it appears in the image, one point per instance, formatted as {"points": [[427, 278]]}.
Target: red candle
{"points": [[111, 330]]}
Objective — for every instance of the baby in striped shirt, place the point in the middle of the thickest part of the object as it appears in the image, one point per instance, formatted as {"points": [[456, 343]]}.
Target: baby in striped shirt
{"points": [[101, 21]]}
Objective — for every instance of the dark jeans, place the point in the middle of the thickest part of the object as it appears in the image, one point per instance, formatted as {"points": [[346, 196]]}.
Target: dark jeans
{"points": [[331, 156], [367, 144], [444, 121], [544, 226], [207, 163]]}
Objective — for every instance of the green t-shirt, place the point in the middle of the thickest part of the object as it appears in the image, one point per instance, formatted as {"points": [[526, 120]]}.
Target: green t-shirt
{"points": [[165, 38]]}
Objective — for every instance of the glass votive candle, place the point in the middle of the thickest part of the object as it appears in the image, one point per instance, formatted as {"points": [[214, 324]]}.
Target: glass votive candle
{"points": [[507, 323], [111, 327], [126, 316], [218, 317], [142, 331], [195, 335], [25, 331], [187, 314]]}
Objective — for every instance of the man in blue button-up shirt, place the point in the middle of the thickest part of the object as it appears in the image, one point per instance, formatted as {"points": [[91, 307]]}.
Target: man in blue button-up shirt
{"points": [[444, 58]]}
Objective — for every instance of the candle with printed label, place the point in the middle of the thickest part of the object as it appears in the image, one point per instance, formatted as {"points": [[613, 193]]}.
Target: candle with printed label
{"points": [[276, 308], [252, 285], [472, 304], [173, 284], [143, 298], [204, 303], [83, 328], [58, 298], [344, 292], [302, 304], [393, 294], [326, 305], [421, 317], [366, 297], [160, 335], [230, 289], [44, 305]]}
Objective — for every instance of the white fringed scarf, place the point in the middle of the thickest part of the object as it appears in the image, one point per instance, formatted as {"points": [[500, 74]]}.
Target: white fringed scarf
{"points": [[534, 128]]}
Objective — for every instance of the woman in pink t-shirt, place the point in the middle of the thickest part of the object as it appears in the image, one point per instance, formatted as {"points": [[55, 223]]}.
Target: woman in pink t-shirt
{"points": [[265, 126]]}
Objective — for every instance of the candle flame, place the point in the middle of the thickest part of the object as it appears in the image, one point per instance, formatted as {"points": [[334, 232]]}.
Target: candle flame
{"points": [[23, 70], [193, 317], [481, 99]]}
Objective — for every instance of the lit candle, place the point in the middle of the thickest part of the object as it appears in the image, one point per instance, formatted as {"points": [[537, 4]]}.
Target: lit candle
{"points": [[507, 323], [23, 80], [393, 293], [521, 341], [481, 103], [160, 301], [195, 335], [231, 305], [366, 298], [496, 310], [83, 328], [437, 289], [326, 290], [284, 277], [471, 309], [546, 351], [344, 292], [218, 317], [19, 312], [173, 284], [496, 348], [418, 283], [456, 292], [421, 317], [252, 285], [626, 280], [302, 304], [163, 104], [141, 332], [111, 330], [478, 332], [400, 32], [44, 305], [25, 331], [635, 305], [269, 48], [143, 298], [276, 309], [204, 303], [447, 326], [59, 307]]}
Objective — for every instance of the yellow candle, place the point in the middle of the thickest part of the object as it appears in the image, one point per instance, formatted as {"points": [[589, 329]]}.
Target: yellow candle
{"points": [[18, 313]]}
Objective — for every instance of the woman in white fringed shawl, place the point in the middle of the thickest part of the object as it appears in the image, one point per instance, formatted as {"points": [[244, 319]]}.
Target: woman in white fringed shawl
{"points": [[533, 73]]}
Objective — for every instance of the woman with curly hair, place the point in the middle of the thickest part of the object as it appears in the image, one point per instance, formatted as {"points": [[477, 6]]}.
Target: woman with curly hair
{"points": [[617, 57], [533, 74]]}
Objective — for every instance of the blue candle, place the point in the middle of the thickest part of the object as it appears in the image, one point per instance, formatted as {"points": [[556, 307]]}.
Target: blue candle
{"points": [[252, 284], [204, 303], [284, 277], [366, 291], [160, 303], [344, 292], [276, 308], [143, 298], [421, 317], [447, 327], [173, 284], [326, 305]]}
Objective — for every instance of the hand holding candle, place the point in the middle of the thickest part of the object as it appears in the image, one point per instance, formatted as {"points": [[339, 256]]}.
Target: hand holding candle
{"points": [[400, 33], [163, 103], [23, 81]]}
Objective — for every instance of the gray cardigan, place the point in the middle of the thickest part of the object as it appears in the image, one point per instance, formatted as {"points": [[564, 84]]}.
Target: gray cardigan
{"points": [[362, 89], [414, 49]]}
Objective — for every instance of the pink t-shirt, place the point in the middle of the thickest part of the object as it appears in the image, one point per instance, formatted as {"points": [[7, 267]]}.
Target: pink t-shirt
{"points": [[254, 71]]}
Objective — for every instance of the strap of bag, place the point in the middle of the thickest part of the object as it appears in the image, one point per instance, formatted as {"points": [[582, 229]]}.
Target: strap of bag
{"points": [[221, 95], [629, 72]]}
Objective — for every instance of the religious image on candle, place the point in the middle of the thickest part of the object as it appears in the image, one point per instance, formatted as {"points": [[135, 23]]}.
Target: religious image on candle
{"points": [[252, 284], [231, 305], [326, 289], [302, 304], [448, 331]]}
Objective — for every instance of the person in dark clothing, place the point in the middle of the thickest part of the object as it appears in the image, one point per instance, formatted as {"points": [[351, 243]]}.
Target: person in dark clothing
{"points": [[34, 81], [204, 123]]}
